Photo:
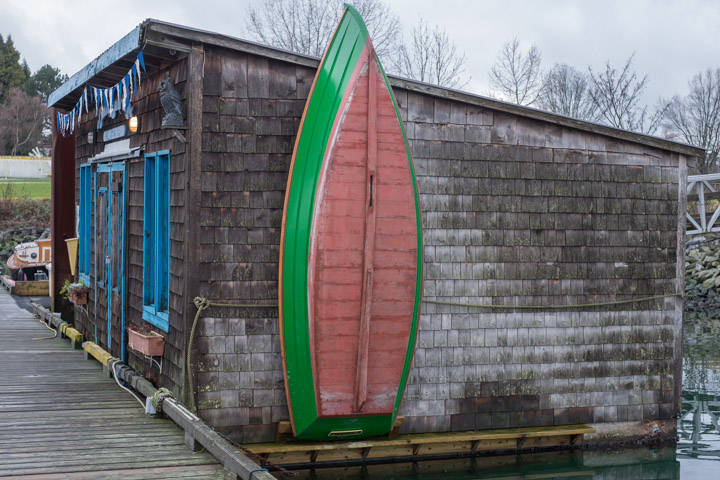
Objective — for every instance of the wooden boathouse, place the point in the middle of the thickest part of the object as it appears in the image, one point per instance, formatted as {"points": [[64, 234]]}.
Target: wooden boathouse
{"points": [[573, 232]]}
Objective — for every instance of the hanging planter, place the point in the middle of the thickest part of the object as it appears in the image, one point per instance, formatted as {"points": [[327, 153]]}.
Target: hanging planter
{"points": [[79, 296], [77, 293], [148, 343]]}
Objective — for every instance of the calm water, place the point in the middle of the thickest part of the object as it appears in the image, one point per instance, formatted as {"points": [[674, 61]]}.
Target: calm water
{"points": [[697, 456], [698, 450]]}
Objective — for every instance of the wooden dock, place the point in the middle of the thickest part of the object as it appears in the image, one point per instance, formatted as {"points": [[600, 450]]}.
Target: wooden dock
{"points": [[61, 418], [418, 447]]}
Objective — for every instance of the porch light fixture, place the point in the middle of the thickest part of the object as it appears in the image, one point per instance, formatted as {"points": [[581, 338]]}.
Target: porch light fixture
{"points": [[91, 137], [133, 124]]}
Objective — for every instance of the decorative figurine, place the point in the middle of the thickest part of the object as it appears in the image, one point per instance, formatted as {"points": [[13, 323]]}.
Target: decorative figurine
{"points": [[171, 103]]}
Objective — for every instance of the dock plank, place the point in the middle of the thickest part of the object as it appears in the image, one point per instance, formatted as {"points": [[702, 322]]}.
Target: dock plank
{"points": [[419, 445], [61, 418]]}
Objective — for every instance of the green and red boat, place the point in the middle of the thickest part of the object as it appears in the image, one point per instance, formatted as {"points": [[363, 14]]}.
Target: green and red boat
{"points": [[351, 249]]}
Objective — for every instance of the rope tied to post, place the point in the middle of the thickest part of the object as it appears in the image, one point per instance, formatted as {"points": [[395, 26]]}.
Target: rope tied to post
{"points": [[160, 395], [202, 304]]}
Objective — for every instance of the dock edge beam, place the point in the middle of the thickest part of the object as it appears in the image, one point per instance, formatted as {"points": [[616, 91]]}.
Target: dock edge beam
{"points": [[196, 430], [236, 463]]}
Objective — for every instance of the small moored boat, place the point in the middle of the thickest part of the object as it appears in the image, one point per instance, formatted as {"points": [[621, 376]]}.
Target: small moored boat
{"points": [[351, 249]]}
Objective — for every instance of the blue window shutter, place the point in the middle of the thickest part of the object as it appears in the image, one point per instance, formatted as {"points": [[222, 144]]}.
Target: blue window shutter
{"points": [[148, 227], [163, 230], [156, 251], [84, 221]]}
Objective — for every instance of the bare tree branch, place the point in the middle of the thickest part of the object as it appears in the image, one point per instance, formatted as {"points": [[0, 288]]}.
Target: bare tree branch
{"points": [[695, 118], [431, 58], [566, 91], [517, 76], [617, 96], [305, 26], [21, 122]]}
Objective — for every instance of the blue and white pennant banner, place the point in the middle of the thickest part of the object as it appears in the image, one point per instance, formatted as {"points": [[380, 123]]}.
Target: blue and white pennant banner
{"points": [[104, 99]]}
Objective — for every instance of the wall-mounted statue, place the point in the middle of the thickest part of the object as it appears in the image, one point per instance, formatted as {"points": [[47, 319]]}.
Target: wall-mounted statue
{"points": [[171, 103]]}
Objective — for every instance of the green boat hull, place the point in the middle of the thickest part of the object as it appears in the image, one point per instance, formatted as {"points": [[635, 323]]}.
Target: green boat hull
{"points": [[339, 68]]}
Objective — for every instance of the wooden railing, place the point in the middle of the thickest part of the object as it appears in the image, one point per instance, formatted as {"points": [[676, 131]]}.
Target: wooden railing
{"points": [[701, 189]]}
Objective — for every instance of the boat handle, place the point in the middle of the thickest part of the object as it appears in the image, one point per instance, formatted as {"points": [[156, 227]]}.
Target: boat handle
{"points": [[344, 433], [371, 185]]}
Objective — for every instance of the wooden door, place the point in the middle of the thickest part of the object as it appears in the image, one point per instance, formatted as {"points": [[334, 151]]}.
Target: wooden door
{"points": [[110, 214]]}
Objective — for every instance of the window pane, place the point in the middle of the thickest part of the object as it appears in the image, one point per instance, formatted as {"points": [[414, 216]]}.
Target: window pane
{"points": [[163, 230], [148, 230], [102, 213], [156, 245], [84, 221]]}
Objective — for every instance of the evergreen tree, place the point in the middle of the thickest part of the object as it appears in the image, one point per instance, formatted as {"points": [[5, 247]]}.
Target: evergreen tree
{"points": [[43, 82], [12, 72]]}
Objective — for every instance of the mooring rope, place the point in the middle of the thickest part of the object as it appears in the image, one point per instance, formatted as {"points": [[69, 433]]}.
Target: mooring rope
{"points": [[553, 307], [203, 304], [159, 397], [55, 332]]}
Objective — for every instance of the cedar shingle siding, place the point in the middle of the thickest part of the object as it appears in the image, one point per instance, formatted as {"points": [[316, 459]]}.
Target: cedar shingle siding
{"points": [[516, 210]]}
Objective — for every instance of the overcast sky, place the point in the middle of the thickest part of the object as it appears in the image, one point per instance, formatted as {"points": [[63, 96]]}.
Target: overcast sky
{"points": [[672, 39]]}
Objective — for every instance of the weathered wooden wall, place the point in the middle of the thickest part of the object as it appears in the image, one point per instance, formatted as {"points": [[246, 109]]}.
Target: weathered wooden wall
{"points": [[150, 114], [147, 108], [522, 212], [516, 211], [251, 112]]}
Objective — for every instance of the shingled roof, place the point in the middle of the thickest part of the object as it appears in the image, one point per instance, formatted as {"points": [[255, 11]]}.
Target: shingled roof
{"points": [[163, 43]]}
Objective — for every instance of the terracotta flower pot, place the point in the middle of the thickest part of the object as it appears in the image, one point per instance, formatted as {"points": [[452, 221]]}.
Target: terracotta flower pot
{"points": [[79, 296], [151, 344]]}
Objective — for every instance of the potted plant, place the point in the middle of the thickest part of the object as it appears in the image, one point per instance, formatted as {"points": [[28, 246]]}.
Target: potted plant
{"points": [[77, 293], [146, 341]]}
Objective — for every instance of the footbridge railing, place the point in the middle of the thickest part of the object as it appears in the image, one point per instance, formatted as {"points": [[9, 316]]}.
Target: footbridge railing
{"points": [[703, 203]]}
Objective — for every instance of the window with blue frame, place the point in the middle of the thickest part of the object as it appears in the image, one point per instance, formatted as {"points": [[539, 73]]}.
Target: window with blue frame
{"points": [[84, 223], [156, 251]]}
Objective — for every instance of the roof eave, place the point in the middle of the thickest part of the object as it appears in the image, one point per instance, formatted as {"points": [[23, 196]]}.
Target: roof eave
{"points": [[125, 46]]}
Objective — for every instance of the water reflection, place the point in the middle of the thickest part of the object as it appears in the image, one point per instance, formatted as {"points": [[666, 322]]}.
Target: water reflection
{"points": [[697, 456], [699, 425], [629, 464]]}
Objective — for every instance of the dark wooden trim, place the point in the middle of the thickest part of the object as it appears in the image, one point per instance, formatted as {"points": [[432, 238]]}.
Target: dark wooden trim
{"points": [[62, 192], [232, 43], [193, 157], [157, 39], [679, 287], [528, 112]]}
